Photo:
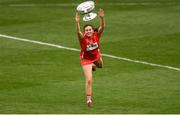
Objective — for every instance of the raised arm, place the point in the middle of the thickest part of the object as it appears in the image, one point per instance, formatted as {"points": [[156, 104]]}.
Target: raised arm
{"points": [[102, 21], [78, 28]]}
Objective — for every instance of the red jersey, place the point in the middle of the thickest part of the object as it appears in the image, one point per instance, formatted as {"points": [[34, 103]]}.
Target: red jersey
{"points": [[90, 48]]}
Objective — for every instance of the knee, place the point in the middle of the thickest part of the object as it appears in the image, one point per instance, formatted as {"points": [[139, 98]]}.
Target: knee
{"points": [[100, 65]]}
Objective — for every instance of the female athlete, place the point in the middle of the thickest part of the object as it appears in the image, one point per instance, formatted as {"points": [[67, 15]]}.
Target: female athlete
{"points": [[90, 56]]}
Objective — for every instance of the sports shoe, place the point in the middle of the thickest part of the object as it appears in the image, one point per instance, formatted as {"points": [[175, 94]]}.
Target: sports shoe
{"points": [[89, 103]]}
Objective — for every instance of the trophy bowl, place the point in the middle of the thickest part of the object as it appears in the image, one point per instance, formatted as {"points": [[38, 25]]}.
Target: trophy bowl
{"points": [[86, 9]]}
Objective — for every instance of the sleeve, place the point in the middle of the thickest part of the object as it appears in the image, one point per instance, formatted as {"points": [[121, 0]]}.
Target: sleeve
{"points": [[98, 37]]}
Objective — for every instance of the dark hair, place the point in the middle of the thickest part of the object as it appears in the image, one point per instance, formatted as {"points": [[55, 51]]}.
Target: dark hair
{"points": [[96, 29], [87, 26]]}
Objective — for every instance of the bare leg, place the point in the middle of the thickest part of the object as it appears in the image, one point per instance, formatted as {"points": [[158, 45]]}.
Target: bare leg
{"points": [[99, 63], [88, 76], [93, 67]]}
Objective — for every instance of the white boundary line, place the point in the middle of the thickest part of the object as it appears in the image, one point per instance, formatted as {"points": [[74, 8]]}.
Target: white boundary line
{"points": [[74, 49]]}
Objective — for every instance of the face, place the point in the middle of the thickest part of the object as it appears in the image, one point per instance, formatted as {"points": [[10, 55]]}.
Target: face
{"points": [[88, 31]]}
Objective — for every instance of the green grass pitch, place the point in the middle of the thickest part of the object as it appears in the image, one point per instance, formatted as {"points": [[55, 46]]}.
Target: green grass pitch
{"points": [[42, 79]]}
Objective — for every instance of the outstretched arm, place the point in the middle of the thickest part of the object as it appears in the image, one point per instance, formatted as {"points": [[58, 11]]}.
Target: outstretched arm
{"points": [[78, 29], [102, 21]]}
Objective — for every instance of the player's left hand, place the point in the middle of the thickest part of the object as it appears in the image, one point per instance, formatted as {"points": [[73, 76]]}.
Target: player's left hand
{"points": [[101, 12]]}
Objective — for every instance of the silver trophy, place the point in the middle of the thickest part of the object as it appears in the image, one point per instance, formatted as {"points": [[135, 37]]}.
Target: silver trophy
{"points": [[86, 9]]}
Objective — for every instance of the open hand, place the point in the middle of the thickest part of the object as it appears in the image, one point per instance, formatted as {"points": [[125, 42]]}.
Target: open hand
{"points": [[101, 12], [77, 17]]}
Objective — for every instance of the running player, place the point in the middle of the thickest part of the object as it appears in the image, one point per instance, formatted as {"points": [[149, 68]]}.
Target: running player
{"points": [[90, 56]]}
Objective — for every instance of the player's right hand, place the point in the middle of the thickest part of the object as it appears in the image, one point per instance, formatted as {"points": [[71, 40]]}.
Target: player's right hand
{"points": [[77, 17]]}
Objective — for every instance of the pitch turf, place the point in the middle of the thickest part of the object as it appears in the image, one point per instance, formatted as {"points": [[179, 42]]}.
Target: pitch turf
{"points": [[43, 79]]}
